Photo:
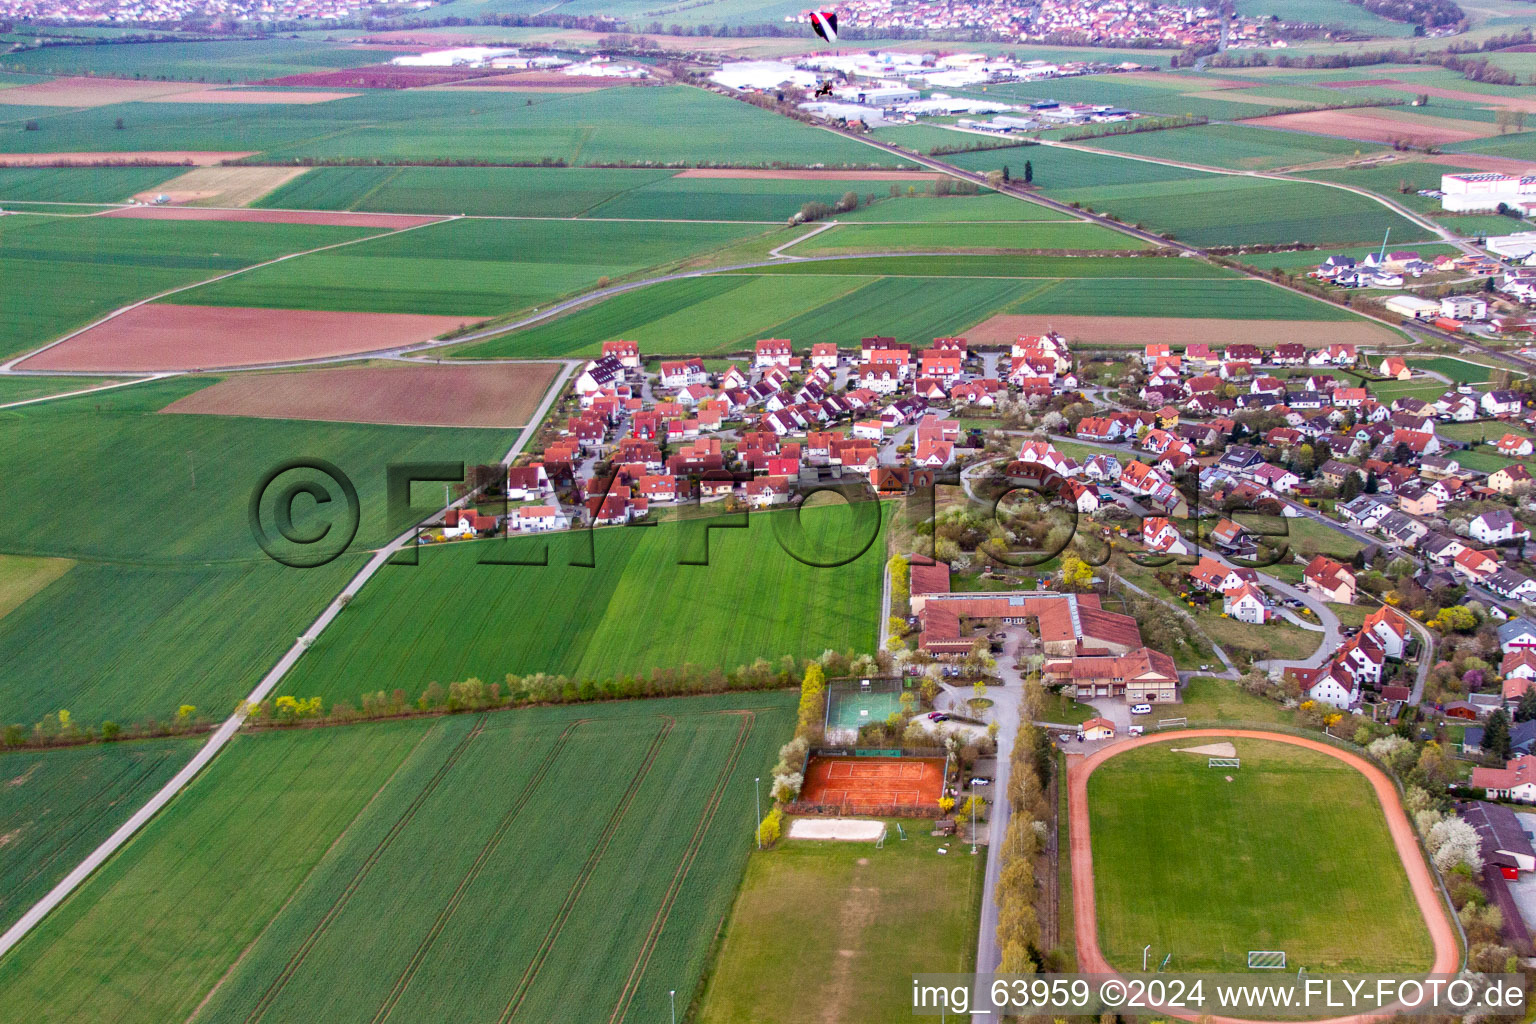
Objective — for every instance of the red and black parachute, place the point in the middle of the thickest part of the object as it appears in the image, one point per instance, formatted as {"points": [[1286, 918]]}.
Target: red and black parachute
{"points": [[825, 24]]}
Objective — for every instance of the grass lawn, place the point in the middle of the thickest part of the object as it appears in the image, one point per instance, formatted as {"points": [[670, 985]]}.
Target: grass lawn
{"points": [[1293, 854], [1243, 642], [56, 805], [1060, 708], [21, 576], [639, 609], [1459, 370], [1208, 699], [357, 872], [1306, 537], [835, 930], [1485, 459], [1489, 430], [1351, 614]]}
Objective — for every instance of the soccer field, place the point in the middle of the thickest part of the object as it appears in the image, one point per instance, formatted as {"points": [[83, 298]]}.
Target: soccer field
{"points": [[1292, 854]]}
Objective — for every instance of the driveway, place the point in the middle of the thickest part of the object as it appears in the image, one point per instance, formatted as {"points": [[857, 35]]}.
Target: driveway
{"points": [[1330, 621]]}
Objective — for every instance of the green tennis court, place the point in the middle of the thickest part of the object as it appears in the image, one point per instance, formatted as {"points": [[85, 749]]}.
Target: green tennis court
{"points": [[854, 703]]}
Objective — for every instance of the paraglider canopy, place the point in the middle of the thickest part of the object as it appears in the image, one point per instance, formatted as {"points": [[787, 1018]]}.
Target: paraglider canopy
{"points": [[825, 24]]}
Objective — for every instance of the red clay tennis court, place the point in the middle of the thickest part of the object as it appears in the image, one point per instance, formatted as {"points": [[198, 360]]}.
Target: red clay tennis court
{"points": [[874, 782]]}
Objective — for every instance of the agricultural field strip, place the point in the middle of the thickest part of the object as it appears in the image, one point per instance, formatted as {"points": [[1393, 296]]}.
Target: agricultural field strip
{"points": [[231, 725], [1402, 211], [12, 363], [360, 875], [88, 391]]}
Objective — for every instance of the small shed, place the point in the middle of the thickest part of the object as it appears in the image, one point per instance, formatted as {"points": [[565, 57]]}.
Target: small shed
{"points": [[1098, 729]]}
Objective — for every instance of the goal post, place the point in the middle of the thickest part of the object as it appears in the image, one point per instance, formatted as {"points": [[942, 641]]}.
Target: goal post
{"points": [[1172, 723], [1266, 959], [1224, 762]]}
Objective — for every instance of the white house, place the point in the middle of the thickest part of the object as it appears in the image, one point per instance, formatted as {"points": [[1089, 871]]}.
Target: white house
{"points": [[599, 374], [1496, 527], [539, 519], [1335, 685], [1246, 603]]}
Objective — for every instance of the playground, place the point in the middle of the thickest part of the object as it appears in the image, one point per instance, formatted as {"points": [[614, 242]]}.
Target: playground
{"points": [[871, 784]]}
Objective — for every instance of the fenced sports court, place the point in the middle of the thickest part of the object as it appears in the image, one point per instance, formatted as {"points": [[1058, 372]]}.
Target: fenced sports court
{"points": [[854, 703], [869, 785]]}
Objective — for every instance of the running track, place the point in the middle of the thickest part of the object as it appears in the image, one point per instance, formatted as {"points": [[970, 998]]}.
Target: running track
{"points": [[1085, 921]]}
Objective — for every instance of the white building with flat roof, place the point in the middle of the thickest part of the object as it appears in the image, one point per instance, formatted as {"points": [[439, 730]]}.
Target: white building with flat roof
{"points": [[1487, 190], [763, 74]]}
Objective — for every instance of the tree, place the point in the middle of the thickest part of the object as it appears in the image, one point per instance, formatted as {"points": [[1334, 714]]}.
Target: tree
{"points": [[812, 698], [1029, 172], [771, 828], [1007, 174], [1496, 735], [1453, 842], [981, 689], [1075, 573], [1525, 711], [118, 124]]}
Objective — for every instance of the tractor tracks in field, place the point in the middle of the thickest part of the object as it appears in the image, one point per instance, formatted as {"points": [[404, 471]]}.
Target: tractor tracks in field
{"points": [[536, 964], [690, 853], [361, 875], [535, 780]]}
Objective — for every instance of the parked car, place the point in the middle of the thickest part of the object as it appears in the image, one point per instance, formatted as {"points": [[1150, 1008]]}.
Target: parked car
{"points": [[1137, 730], [1141, 709], [937, 716]]}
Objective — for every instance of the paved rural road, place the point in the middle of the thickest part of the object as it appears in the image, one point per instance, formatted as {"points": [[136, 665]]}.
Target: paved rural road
{"points": [[1005, 708], [231, 725], [1426, 890]]}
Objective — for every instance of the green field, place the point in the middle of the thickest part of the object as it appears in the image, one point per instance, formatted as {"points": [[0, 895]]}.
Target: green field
{"points": [[1207, 869], [90, 266], [941, 237], [1240, 147], [346, 873], [57, 805], [1233, 209], [1059, 169], [114, 449], [22, 576], [19, 388], [912, 298], [859, 932], [637, 609], [672, 125], [132, 643], [212, 60], [75, 184], [928, 209], [172, 601], [471, 268], [631, 193]]}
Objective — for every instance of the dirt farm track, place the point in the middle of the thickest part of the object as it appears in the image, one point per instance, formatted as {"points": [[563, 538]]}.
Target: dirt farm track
{"points": [[1426, 893]]}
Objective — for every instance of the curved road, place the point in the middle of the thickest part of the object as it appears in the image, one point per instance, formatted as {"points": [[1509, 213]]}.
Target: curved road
{"points": [[1426, 890]]}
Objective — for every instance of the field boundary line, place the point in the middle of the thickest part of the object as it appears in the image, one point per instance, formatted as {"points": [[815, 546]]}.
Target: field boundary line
{"points": [[535, 780], [340, 836], [10, 363], [360, 875], [684, 867], [556, 926], [85, 391]]}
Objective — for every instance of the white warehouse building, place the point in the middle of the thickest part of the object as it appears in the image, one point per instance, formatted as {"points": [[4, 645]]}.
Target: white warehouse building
{"points": [[1486, 191]]}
